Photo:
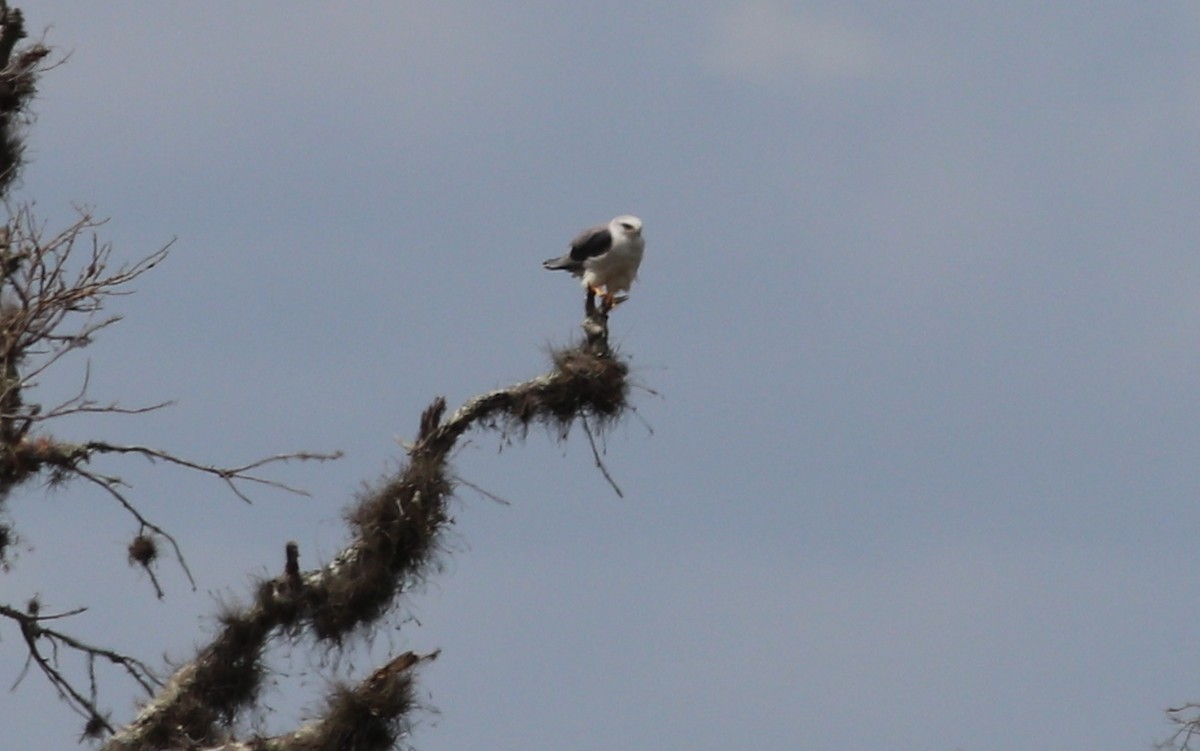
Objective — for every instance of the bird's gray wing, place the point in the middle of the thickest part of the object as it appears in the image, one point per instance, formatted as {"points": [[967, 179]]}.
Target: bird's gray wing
{"points": [[589, 244]]}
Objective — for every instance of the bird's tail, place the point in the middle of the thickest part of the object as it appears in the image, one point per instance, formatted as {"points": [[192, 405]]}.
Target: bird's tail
{"points": [[554, 264]]}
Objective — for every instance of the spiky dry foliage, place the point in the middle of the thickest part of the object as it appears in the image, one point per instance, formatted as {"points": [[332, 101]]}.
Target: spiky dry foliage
{"points": [[18, 84], [395, 532], [372, 715]]}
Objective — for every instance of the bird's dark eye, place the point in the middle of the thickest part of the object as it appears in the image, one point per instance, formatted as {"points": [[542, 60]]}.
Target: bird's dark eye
{"points": [[626, 225]]}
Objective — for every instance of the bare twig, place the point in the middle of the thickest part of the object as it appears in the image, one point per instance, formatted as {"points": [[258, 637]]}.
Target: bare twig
{"points": [[110, 485], [230, 475], [596, 455], [1186, 719], [35, 633], [460, 480]]}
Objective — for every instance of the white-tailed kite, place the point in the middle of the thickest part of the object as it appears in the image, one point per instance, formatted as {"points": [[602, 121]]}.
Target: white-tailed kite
{"points": [[607, 255]]}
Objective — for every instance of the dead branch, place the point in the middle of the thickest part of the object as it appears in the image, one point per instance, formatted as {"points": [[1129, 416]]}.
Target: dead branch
{"points": [[35, 634], [110, 486], [53, 287], [230, 475], [395, 537], [43, 292], [368, 717], [1186, 719], [600, 462]]}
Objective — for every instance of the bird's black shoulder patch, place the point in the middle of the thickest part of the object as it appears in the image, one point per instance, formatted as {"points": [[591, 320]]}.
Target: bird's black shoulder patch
{"points": [[591, 243]]}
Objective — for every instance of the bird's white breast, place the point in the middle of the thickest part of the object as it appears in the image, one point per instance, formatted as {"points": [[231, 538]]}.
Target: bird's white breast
{"points": [[616, 269]]}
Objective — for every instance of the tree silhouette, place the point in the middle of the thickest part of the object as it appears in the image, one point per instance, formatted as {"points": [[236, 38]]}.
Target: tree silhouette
{"points": [[53, 286]]}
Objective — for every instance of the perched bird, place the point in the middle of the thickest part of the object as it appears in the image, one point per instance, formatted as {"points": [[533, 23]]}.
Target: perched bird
{"points": [[606, 256]]}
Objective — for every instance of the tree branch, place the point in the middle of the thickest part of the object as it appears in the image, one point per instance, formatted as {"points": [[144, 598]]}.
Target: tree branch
{"points": [[368, 717], [1186, 719], [54, 286], [230, 475], [18, 83], [395, 536], [34, 633]]}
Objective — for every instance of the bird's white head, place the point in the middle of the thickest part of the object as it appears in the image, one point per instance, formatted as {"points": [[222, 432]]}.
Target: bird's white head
{"points": [[627, 225]]}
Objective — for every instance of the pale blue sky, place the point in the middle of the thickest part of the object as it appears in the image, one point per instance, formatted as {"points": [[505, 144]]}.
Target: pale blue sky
{"points": [[919, 305]]}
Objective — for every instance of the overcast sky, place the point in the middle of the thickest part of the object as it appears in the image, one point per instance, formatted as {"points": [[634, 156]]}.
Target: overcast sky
{"points": [[915, 458]]}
